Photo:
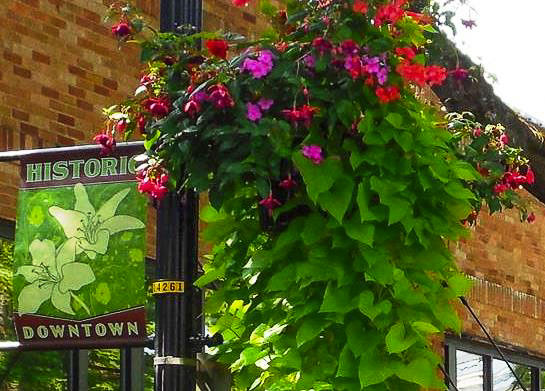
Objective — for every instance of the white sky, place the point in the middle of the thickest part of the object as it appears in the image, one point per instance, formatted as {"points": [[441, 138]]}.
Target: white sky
{"points": [[509, 41]]}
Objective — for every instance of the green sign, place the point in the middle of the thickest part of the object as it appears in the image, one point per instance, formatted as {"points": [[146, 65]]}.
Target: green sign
{"points": [[80, 250]]}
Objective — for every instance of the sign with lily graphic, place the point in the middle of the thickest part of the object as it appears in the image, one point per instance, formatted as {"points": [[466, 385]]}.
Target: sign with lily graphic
{"points": [[80, 250]]}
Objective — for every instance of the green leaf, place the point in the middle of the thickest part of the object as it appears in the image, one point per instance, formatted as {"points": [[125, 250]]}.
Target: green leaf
{"points": [[460, 284], [368, 308], [395, 119], [311, 327], [314, 228], [346, 111], [464, 170], [421, 372], [362, 232], [399, 208], [396, 341], [282, 280], [424, 327], [337, 200], [338, 300], [373, 369], [318, 177], [347, 364], [363, 199], [458, 191]]}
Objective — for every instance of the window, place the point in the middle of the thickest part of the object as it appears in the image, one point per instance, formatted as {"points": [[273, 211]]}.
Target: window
{"points": [[475, 366]]}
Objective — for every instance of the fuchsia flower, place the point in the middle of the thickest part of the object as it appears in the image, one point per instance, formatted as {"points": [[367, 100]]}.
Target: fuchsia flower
{"points": [[270, 203], [121, 30], [309, 61], [192, 107], [477, 132], [504, 139], [106, 142], [121, 126], [219, 96], [158, 107], [459, 74], [287, 183], [530, 178], [313, 152], [304, 114], [531, 218], [141, 123], [321, 45], [253, 113], [153, 183], [468, 23], [265, 104]]}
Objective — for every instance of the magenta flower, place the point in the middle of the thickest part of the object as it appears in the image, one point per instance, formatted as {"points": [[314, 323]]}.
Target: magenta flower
{"points": [[270, 203], [260, 67], [253, 113], [314, 153], [309, 61], [265, 104]]}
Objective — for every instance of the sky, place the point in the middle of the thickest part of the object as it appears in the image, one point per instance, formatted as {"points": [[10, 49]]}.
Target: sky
{"points": [[509, 42]]}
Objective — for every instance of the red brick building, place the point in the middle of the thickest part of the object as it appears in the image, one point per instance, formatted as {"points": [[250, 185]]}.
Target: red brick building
{"points": [[61, 66]]}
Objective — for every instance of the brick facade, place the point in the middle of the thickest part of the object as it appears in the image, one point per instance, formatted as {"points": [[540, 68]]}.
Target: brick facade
{"points": [[60, 66]]}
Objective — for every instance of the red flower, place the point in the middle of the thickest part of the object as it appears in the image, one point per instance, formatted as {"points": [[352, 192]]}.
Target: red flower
{"points": [[360, 6], [169, 60], [106, 142], [217, 47], [388, 94], [121, 30], [240, 3], [389, 13], [435, 75], [477, 132], [531, 218], [407, 53], [500, 188]]}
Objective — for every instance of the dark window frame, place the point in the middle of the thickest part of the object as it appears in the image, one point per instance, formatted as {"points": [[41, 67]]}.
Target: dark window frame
{"points": [[489, 353]]}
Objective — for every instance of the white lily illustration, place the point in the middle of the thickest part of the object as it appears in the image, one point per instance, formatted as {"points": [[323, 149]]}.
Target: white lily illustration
{"points": [[53, 276], [93, 228]]}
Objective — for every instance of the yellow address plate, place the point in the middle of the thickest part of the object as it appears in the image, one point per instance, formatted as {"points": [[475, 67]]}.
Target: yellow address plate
{"points": [[165, 286]]}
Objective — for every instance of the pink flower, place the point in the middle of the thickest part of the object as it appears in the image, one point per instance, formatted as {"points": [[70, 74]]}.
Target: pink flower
{"points": [[253, 113], [261, 67], [192, 107], [309, 61], [265, 104], [314, 153], [504, 139], [270, 202]]}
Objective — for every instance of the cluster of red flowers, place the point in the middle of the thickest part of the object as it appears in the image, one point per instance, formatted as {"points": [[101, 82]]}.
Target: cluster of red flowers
{"points": [[390, 13], [153, 181], [387, 94], [304, 114], [513, 180], [421, 74]]}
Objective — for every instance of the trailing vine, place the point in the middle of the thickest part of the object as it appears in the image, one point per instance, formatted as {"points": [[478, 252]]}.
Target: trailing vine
{"points": [[333, 189]]}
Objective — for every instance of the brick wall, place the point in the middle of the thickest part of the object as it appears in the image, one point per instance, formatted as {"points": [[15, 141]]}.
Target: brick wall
{"points": [[505, 260]]}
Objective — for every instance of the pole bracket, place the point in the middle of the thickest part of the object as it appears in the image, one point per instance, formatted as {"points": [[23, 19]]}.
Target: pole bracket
{"points": [[171, 360]]}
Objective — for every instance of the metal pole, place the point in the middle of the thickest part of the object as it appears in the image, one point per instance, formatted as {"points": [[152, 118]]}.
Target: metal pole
{"points": [[177, 217]]}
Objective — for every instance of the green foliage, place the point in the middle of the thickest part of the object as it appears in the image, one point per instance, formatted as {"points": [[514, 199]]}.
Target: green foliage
{"points": [[341, 285]]}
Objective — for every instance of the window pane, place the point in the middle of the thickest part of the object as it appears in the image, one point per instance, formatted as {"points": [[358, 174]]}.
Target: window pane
{"points": [[504, 380], [469, 371]]}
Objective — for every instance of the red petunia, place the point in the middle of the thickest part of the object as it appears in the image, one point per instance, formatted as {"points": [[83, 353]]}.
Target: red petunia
{"points": [[217, 47]]}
